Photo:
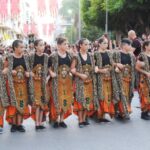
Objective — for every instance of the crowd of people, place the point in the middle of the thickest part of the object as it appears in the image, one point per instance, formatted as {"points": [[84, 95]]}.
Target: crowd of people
{"points": [[84, 79]]}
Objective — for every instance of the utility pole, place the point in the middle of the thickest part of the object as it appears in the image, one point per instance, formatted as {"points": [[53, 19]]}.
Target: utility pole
{"points": [[79, 23], [106, 17]]}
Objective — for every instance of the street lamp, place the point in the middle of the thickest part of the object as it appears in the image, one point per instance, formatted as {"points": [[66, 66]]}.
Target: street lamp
{"points": [[79, 18], [106, 17], [71, 24]]}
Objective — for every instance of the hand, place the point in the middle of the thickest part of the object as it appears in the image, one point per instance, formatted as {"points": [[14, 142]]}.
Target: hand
{"points": [[14, 72], [47, 79], [27, 74], [96, 70], [148, 74], [120, 66], [5, 71], [53, 75], [105, 70], [83, 77], [32, 74], [73, 71], [117, 70]]}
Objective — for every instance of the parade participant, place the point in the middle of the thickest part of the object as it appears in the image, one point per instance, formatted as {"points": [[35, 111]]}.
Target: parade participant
{"points": [[143, 67], [125, 76], [1, 116], [18, 75], [60, 84], [85, 82], [105, 80], [39, 67], [4, 102]]}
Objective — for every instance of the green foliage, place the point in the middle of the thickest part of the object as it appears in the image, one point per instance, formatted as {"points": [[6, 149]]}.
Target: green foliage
{"points": [[123, 14], [91, 32], [70, 10], [71, 34], [69, 5]]}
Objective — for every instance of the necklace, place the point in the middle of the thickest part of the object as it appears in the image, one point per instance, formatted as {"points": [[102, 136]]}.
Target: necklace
{"points": [[62, 55]]}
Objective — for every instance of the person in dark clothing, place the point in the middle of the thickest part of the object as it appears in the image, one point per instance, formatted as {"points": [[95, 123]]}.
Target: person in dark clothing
{"points": [[136, 45]]}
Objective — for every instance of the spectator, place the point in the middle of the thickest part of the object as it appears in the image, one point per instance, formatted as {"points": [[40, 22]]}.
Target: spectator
{"points": [[136, 45]]}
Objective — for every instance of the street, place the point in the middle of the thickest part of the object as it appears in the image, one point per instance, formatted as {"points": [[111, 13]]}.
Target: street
{"points": [[131, 135]]}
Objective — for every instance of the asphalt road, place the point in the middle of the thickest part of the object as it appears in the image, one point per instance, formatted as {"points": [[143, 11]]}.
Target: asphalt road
{"points": [[131, 135]]}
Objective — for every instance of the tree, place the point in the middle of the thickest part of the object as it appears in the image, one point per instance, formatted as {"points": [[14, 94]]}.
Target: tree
{"points": [[123, 14], [69, 11], [91, 32]]}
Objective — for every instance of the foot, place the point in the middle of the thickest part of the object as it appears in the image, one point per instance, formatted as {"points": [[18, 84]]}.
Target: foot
{"points": [[1, 130], [86, 123], [13, 128], [56, 125], [20, 128], [145, 116], [37, 127], [127, 117], [63, 125], [81, 125], [42, 127], [148, 114], [106, 120], [102, 120], [119, 117]]}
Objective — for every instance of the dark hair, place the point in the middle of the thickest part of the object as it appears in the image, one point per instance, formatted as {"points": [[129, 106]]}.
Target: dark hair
{"points": [[60, 40], [101, 40], [36, 42], [126, 41], [80, 42], [16, 43], [145, 43], [31, 42]]}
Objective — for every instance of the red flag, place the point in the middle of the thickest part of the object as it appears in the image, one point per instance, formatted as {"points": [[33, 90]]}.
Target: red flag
{"points": [[41, 6], [34, 28], [3, 9], [51, 28], [15, 7], [53, 7], [26, 29]]}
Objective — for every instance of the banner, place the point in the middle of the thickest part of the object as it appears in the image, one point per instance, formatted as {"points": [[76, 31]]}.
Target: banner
{"points": [[15, 8], [41, 7], [3, 9], [53, 7]]}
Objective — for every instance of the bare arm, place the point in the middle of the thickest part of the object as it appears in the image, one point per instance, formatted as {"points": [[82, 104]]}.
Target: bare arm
{"points": [[139, 67], [74, 71]]}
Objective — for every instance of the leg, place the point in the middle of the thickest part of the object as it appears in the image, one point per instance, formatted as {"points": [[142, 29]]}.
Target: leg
{"points": [[20, 128], [62, 116], [37, 115], [40, 117], [81, 124], [84, 115], [14, 124], [56, 123], [1, 124], [85, 121], [80, 116], [62, 124]]}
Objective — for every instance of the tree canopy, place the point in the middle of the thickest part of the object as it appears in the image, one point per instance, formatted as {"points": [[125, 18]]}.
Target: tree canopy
{"points": [[123, 14]]}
